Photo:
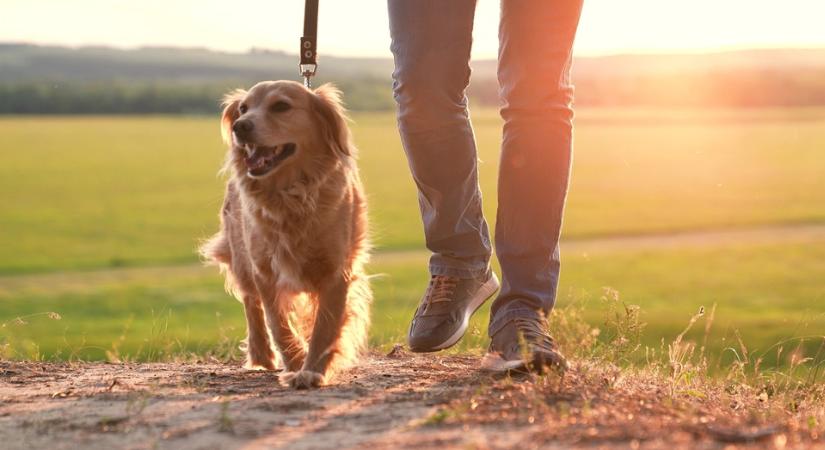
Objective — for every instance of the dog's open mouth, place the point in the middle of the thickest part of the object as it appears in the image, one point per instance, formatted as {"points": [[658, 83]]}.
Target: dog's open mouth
{"points": [[261, 160]]}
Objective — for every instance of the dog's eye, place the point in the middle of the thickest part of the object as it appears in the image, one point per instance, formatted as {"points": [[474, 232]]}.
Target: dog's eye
{"points": [[280, 106], [243, 108]]}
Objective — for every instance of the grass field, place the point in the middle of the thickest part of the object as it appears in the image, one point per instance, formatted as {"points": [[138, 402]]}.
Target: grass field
{"points": [[100, 217]]}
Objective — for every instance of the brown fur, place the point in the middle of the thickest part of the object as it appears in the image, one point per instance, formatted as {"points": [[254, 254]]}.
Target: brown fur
{"points": [[293, 243]]}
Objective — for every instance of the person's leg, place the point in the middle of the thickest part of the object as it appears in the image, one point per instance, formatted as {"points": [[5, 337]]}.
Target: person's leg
{"points": [[431, 42], [536, 40]]}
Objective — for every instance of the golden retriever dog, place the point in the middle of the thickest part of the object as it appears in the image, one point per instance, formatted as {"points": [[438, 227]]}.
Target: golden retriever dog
{"points": [[293, 238]]}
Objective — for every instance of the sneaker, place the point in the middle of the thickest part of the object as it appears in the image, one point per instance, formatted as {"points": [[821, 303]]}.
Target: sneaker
{"points": [[444, 313], [523, 345]]}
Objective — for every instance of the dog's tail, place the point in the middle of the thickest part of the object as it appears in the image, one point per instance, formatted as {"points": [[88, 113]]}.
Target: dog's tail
{"points": [[215, 250]]}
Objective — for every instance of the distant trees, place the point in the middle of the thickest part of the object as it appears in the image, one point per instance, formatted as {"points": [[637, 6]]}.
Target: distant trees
{"points": [[99, 80], [139, 97], [742, 89], [107, 98]]}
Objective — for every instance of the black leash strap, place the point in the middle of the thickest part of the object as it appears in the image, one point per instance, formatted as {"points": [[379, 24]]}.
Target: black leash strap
{"points": [[309, 42]]}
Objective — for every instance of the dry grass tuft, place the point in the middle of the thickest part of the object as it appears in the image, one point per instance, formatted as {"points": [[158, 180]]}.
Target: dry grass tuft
{"points": [[620, 392]]}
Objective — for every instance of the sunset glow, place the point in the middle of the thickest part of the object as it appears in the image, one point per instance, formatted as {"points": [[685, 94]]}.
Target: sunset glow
{"points": [[359, 27]]}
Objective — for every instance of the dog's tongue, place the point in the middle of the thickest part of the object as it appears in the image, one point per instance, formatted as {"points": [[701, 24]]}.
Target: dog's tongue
{"points": [[258, 159]]}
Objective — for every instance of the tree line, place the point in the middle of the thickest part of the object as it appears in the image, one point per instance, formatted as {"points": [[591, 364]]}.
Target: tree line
{"points": [[722, 89]]}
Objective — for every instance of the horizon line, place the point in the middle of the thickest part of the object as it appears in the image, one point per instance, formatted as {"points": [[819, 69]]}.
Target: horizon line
{"points": [[593, 55]]}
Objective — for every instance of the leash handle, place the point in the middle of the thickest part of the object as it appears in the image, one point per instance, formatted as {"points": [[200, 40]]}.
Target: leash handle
{"points": [[309, 42]]}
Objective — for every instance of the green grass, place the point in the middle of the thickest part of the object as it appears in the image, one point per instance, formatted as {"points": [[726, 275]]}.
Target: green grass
{"points": [[85, 199], [767, 292], [93, 192]]}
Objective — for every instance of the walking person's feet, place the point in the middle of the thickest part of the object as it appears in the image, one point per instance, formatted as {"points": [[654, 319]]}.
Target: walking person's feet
{"points": [[523, 345], [444, 313]]}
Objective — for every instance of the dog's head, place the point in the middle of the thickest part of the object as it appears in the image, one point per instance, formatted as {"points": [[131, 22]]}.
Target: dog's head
{"points": [[281, 129]]}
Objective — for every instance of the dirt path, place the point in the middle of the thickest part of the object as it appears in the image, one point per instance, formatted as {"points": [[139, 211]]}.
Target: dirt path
{"points": [[222, 406], [701, 238], [399, 401]]}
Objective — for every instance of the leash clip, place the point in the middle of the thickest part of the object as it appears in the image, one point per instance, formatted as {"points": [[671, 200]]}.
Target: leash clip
{"points": [[308, 71], [309, 58]]}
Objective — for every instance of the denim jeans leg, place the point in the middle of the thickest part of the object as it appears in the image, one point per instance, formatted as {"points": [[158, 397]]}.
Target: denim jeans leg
{"points": [[431, 42], [534, 76]]}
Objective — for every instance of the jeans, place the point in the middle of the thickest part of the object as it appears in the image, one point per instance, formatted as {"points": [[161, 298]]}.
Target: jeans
{"points": [[431, 42]]}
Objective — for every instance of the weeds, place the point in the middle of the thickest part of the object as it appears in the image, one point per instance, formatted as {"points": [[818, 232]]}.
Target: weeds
{"points": [[621, 390], [228, 346], [623, 325], [113, 355], [683, 362], [26, 349]]}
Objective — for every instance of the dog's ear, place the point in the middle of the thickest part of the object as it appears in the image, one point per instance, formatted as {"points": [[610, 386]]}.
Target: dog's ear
{"points": [[230, 104], [330, 111]]}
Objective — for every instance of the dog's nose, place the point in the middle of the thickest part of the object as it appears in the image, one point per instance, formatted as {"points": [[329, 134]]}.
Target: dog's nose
{"points": [[242, 127]]}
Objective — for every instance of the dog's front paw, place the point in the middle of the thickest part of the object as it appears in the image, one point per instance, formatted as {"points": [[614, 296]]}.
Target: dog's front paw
{"points": [[259, 365], [261, 361], [304, 379], [258, 355]]}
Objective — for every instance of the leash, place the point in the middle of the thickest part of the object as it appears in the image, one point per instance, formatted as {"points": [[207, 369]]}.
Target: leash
{"points": [[309, 42]]}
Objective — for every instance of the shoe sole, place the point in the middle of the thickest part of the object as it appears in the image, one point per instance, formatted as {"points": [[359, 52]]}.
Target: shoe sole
{"points": [[493, 362], [483, 294]]}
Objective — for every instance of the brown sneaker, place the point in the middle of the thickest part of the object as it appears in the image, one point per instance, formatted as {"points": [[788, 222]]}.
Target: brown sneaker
{"points": [[444, 313], [523, 345]]}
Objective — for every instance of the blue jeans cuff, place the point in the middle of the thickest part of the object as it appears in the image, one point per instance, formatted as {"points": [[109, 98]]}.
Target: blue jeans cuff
{"points": [[458, 272], [504, 316]]}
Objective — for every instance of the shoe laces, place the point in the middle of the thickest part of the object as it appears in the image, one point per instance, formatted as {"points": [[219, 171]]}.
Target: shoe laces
{"points": [[534, 332], [441, 289]]}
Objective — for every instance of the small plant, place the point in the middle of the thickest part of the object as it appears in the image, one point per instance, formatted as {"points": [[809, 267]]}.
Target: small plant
{"points": [[228, 347], [568, 326], [113, 354], [683, 367], [22, 320], [157, 346], [26, 349], [623, 327]]}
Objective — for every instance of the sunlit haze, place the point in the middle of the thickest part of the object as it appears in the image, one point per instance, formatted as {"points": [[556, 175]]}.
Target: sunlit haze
{"points": [[359, 27]]}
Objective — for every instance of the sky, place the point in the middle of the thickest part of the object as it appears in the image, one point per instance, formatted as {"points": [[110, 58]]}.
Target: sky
{"points": [[359, 27]]}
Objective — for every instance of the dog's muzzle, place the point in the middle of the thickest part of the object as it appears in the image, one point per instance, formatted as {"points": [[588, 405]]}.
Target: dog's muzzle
{"points": [[261, 160]]}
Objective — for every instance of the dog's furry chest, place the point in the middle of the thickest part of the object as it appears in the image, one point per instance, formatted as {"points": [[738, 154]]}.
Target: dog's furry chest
{"points": [[288, 267], [281, 244]]}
